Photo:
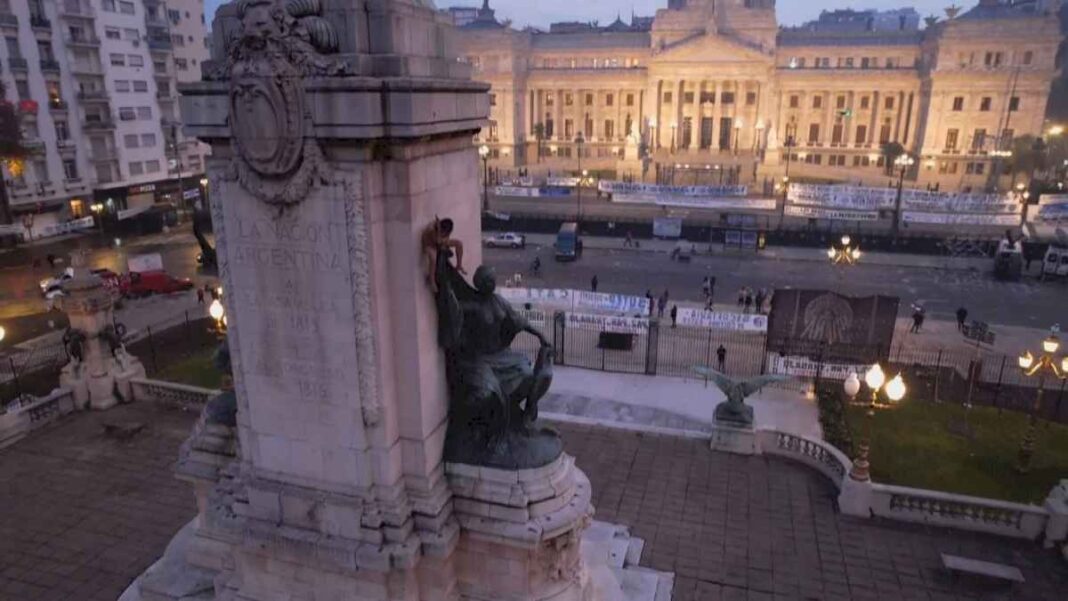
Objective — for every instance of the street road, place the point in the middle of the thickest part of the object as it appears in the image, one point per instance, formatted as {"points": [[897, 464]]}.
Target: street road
{"points": [[1028, 303]]}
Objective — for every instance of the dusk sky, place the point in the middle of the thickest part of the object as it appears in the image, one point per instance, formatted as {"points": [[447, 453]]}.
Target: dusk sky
{"points": [[543, 12]]}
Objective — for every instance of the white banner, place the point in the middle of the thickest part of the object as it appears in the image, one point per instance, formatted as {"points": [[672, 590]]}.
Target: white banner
{"points": [[576, 300], [607, 323], [667, 227], [959, 202], [1052, 208], [615, 187], [149, 262], [12, 229], [722, 320], [516, 191], [697, 202], [838, 214], [67, 227], [960, 218], [792, 365], [842, 197], [564, 182]]}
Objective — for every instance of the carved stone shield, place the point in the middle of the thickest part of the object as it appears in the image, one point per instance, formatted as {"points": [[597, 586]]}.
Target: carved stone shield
{"points": [[267, 118]]}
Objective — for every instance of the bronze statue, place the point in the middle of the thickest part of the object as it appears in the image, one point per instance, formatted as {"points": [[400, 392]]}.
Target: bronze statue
{"points": [[734, 411], [493, 390]]}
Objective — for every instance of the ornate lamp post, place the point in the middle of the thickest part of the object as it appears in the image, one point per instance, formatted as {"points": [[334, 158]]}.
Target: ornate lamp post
{"points": [[1046, 364], [582, 182], [895, 391], [847, 253], [903, 162], [483, 151]]}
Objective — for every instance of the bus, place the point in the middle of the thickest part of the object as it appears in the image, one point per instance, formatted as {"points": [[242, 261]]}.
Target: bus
{"points": [[568, 242]]}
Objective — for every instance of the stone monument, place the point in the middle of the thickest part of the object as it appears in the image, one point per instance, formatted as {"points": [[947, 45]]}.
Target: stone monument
{"points": [[732, 429], [99, 371], [341, 130]]}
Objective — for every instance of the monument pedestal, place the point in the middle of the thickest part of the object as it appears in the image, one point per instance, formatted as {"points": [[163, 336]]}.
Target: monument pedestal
{"points": [[521, 531], [733, 438]]}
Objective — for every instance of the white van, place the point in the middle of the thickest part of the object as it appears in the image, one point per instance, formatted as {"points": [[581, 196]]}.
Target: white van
{"points": [[1055, 263]]}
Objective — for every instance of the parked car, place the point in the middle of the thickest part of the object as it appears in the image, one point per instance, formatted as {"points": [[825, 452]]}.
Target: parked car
{"points": [[145, 283], [506, 240], [51, 284], [1055, 263]]}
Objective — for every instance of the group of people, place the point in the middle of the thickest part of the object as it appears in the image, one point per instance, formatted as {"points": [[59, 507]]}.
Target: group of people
{"points": [[753, 300]]}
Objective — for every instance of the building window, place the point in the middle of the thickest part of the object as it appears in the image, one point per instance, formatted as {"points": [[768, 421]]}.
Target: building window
{"points": [[849, 63], [130, 141], [151, 166], [569, 99], [1014, 103], [122, 85], [727, 97], [840, 102], [1006, 138], [137, 168], [181, 64], [750, 98], [667, 97], [569, 129], [979, 139], [548, 100], [889, 103], [62, 130], [687, 132], [984, 104], [148, 140], [795, 101], [117, 60], [22, 87], [1028, 57], [108, 5], [174, 15], [865, 102], [958, 103], [127, 113], [817, 102], [112, 33], [609, 129], [140, 86], [609, 99], [589, 99], [865, 63], [136, 60], [126, 8], [70, 169], [951, 139], [493, 99], [178, 40], [862, 134], [131, 34], [687, 97], [814, 133], [707, 97], [884, 132], [144, 113], [836, 133]]}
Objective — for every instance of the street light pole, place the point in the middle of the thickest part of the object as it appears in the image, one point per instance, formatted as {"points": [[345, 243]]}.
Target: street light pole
{"points": [[1046, 364], [895, 391], [483, 151], [579, 141], [903, 162]]}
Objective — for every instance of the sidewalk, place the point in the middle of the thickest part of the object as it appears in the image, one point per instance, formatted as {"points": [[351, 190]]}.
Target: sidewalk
{"points": [[784, 253]]}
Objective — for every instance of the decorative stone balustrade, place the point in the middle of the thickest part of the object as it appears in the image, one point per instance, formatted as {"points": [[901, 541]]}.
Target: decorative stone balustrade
{"points": [[958, 511], [815, 453], [171, 393], [21, 417]]}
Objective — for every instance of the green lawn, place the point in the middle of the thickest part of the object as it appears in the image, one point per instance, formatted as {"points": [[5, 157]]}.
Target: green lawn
{"points": [[913, 445], [197, 370]]}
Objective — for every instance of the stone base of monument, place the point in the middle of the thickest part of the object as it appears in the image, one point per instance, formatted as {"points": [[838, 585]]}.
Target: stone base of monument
{"points": [[103, 390], [611, 557], [734, 438], [521, 531]]}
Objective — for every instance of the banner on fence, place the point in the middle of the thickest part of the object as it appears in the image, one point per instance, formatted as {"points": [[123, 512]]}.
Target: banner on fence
{"points": [[565, 182], [1052, 208], [722, 320], [15, 229], [147, 262], [607, 323], [960, 218], [640, 189], [516, 191], [855, 198], [825, 324], [667, 227], [699, 202], [836, 214], [801, 366], [561, 299]]}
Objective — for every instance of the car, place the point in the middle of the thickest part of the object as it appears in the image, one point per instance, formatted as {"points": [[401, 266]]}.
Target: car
{"points": [[50, 284], [145, 283], [506, 240]]}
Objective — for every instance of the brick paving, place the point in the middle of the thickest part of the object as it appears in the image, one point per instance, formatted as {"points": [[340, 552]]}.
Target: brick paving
{"points": [[81, 515]]}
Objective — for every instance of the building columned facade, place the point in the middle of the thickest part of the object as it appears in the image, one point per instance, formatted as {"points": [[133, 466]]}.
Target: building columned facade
{"points": [[717, 86], [95, 85]]}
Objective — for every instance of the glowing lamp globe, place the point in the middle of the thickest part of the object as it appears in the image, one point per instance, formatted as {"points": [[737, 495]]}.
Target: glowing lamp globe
{"points": [[216, 310], [895, 388], [852, 384], [875, 377]]}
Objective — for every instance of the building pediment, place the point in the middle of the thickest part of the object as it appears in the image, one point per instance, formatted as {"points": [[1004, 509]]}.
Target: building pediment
{"points": [[709, 49]]}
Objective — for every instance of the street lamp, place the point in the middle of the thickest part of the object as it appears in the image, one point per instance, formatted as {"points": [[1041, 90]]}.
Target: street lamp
{"points": [[737, 134], [895, 391], [1047, 363], [903, 163], [483, 151], [3, 333], [847, 253], [652, 134], [582, 181], [674, 126], [1056, 130]]}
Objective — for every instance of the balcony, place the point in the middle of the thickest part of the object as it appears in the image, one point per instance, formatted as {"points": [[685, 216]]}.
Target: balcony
{"points": [[165, 95], [83, 40], [156, 20], [49, 65], [66, 145], [159, 44], [40, 23], [93, 96], [9, 20], [86, 69], [98, 124], [33, 145], [75, 9], [103, 155], [57, 106], [18, 64]]}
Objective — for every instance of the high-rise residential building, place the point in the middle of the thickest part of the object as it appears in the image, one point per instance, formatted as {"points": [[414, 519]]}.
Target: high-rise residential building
{"points": [[95, 84], [721, 87]]}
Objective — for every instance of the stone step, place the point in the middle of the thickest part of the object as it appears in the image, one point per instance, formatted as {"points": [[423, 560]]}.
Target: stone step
{"points": [[635, 546]]}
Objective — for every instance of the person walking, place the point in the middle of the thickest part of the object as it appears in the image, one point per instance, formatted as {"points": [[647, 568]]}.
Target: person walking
{"points": [[962, 314], [748, 299], [652, 301], [661, 304], [628, 241], [721, 359], [741, 297], [200, 296], [759, 307], [593, 283], [706, 286], [674, 315], [917, 319]]}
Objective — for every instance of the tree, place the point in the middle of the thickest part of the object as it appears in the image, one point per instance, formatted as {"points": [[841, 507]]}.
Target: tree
{"points": [[890, 152], [539, 135], [10, 149]]}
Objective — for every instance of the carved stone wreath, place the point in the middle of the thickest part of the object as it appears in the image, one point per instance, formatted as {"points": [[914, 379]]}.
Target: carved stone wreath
{"points": [[276, 157]]}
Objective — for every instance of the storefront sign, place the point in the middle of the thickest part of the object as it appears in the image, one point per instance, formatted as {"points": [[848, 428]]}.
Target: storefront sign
{"points": [[142, 189], [794, 365], [836, 214], [960, 218], [607, 323], [722, 320], [616, 187]]}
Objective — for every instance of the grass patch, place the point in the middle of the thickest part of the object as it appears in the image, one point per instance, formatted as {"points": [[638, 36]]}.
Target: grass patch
{"points": [[915, 445], [195, 370]]}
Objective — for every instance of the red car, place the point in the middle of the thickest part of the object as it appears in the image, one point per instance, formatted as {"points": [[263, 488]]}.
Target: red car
{"points": [[144, 283]]}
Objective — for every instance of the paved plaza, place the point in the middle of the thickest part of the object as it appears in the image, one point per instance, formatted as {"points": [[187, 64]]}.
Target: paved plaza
{"points": [[83, 514]]}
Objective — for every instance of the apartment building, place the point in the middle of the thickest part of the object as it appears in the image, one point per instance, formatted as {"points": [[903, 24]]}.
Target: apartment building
{"points": [[94, 82]]}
